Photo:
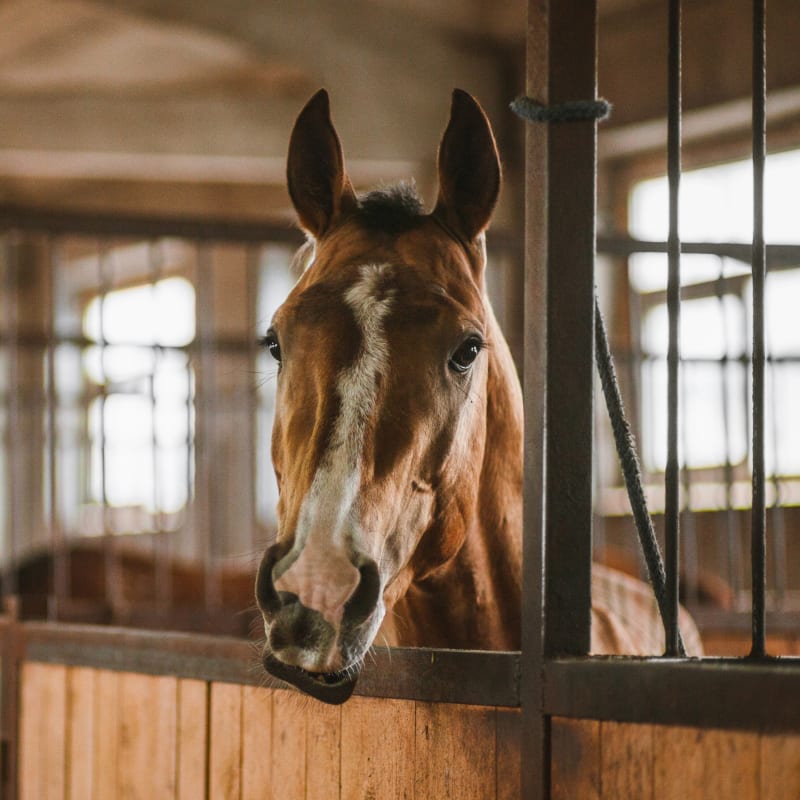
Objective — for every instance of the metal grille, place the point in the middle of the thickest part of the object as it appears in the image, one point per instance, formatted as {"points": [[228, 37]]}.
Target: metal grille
{"points": [[135, 413], [560, 258]]}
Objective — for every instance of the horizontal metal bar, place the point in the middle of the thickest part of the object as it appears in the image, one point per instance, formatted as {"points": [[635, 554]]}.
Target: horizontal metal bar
{"points": [[709, 693], [777, 254], [146, 227], [442, 676]]}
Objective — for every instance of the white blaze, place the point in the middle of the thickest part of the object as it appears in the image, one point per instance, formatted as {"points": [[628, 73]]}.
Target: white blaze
{"points": [[322, 575]]}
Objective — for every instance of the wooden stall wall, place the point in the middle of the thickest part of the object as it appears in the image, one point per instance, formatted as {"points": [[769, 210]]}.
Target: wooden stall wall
{"points": [[594, 760], [88, 733]]}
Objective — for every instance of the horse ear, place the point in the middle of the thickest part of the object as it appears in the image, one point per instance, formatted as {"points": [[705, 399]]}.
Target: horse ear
{"points": [[318, 185], [469, 169]]}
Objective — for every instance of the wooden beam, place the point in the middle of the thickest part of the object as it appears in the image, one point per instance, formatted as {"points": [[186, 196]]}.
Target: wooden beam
{"points": [[632, 56]]}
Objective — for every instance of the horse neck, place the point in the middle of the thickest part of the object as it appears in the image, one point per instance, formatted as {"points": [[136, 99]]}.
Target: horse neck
{"points": [[475, 601]]}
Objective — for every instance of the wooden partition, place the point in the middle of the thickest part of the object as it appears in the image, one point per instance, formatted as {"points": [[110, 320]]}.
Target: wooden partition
{"points": [[92, 733], [595, 760]]}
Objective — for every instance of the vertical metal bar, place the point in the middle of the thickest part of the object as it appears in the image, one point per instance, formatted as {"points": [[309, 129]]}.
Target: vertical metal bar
{"points": [[206, 495], [729, 527], [11, 290], [558, 344], [58, 545], [758, 529], [672, 477], [534, 736], [251, 394], [110, 556], [570, 319], [161, 545]]}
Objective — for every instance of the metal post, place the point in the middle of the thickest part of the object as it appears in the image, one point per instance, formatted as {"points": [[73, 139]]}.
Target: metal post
{"points": [[672, 475], [559, 344]]}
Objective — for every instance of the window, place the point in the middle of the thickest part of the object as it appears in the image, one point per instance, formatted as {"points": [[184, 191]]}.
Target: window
{"points": [[140, 434], [716, 206]]}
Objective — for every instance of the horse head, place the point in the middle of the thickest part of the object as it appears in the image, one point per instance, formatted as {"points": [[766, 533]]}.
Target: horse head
{"points": [[383, 350]]}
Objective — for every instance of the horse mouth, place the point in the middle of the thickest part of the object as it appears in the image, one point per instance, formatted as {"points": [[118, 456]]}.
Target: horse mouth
{"points": [[329, 687]]}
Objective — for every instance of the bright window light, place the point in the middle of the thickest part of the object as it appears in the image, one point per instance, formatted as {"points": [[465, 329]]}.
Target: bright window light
{"points": [[141, 426], [716, 206]]}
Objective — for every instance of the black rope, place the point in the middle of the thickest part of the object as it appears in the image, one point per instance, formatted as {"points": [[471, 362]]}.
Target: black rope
{"points": [[629, 461], [533, 111]]}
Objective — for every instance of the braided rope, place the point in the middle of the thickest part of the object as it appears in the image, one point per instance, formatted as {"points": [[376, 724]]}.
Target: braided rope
{"points": [[629, 461], [576, 111]]}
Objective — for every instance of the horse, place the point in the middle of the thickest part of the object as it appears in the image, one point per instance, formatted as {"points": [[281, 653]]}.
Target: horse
{"points": [[397, 439]]}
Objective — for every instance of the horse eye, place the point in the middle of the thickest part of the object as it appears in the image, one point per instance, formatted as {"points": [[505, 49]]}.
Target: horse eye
{"points": [[270, 341], [467, 352]]}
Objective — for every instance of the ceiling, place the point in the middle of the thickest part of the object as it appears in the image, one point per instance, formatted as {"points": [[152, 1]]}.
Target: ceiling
{"points": [[188, 104]]}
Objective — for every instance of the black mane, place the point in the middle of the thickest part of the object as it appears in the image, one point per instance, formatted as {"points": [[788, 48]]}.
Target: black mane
{"points": [[393, 209]]}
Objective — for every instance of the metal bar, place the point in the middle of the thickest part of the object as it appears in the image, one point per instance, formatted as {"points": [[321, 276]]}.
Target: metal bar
{"points": [[446, 676], [13, 423], [729, 532], [110, 555], [570, 336], [207, 494], [146, 227], [161, 543], [672, 478], [61, 585], [252, 277], [712, 693], [558, 344], [534, 739], [759, 515], [779, 256]]}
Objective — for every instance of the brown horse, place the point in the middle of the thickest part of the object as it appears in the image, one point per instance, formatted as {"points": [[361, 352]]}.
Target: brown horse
{"points": [[397, 441]]}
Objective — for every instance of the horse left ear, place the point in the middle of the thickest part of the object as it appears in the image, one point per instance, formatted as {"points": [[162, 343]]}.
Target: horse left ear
{"points": [[315, 173], [469, 169]]}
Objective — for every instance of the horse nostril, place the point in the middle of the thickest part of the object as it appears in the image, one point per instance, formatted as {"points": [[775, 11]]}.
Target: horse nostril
{"points": [[297, 629], [365, 598], [266, 595]]}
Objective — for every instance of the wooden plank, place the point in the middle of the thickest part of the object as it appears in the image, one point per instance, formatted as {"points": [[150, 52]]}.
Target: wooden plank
{"points": [[780, 767], [377, 744], [225, 760], [626, 760], [575, 759], [256, 742], [106, 734], [288, 760], [147, 736], [509, 753], [323, 751], [80, 721], [192, 740], [692, 763], [455, 751], [43, 712]]}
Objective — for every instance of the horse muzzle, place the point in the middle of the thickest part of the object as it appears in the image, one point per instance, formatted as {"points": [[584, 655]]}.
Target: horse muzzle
{"points": [[303, 647]]}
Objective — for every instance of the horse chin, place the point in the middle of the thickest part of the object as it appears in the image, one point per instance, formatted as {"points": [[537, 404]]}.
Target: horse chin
{"points": [[329, 687]]}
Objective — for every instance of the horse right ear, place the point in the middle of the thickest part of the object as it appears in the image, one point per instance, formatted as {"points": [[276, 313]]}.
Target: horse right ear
{"points": [[469, 169], [318, 185]]}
